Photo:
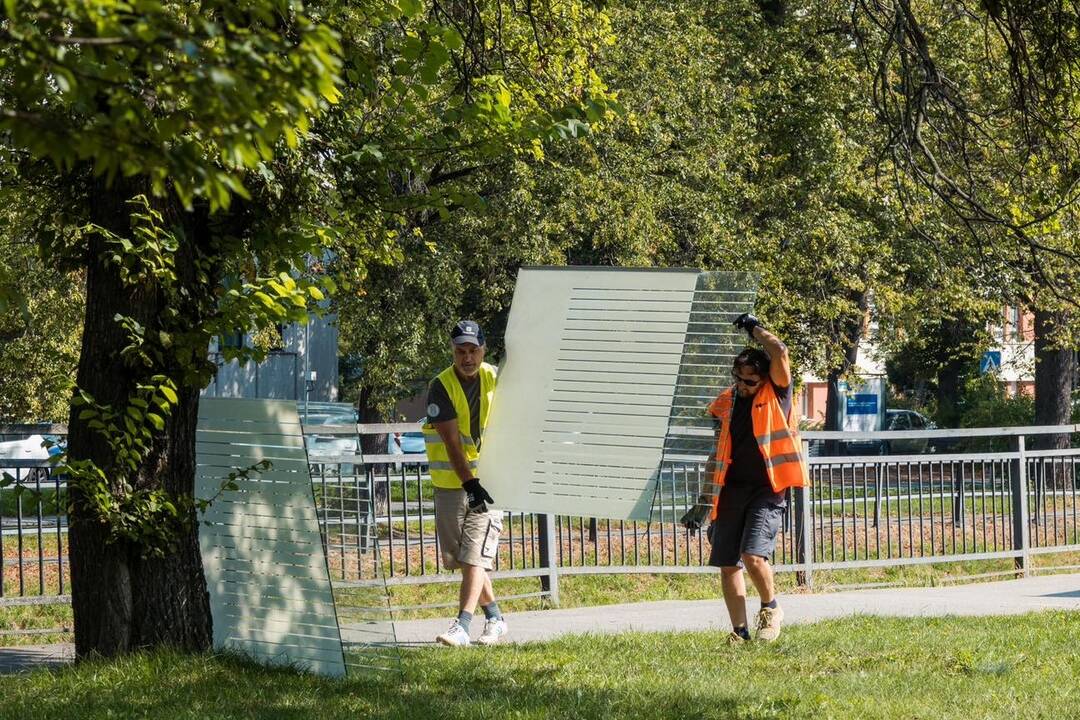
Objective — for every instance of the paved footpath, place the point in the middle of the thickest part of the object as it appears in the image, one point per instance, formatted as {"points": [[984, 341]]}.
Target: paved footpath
{"points": [[31, 657], [1011, 597]]}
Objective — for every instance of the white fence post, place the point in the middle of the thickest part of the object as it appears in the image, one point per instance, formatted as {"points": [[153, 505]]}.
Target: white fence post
{"points": [[1021, 529], [549, 558], [804, 550]]}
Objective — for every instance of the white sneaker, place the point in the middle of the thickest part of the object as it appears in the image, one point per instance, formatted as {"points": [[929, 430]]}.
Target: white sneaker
{"points": [[493, 632], [456, 636]]}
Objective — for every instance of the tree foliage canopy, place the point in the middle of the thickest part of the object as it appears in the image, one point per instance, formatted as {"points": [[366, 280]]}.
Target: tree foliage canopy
{"points": [[200, 163]]}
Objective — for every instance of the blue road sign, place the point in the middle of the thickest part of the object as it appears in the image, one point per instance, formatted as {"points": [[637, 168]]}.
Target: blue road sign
{"points": [[862, 404], [991, 361]]}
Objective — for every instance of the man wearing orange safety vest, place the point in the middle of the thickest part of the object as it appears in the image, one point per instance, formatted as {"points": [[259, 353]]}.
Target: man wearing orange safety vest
{"points": [[756, 459]]}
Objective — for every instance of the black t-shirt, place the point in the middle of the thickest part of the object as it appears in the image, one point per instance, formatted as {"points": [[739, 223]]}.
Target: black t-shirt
{"points": [[746, 476], [440, 408]]}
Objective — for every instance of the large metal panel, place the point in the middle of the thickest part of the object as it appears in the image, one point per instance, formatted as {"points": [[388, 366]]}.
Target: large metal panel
{"points": [[606, 372], [266, 572]]}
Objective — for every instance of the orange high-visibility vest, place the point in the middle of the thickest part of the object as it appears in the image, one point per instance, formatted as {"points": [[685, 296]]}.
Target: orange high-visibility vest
{"points": [[777, 437]]}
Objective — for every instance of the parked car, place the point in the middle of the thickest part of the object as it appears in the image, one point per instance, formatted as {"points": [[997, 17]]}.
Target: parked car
{"points": [[323, 413], [907, 420], [896, 419], [37, 448], [407, 443]]}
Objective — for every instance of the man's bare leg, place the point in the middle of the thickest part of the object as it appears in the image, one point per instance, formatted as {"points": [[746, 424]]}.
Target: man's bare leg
{"points": [[761, 575], [731, 580], [474, 584], [487, 593], [771, 615]]}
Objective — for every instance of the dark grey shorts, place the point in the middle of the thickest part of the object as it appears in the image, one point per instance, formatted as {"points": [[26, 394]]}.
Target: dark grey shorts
{"points": [[744, 528]]}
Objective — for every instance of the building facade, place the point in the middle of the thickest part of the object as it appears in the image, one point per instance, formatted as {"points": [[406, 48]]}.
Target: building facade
{"points": [[303, 366], [1012, 357]]}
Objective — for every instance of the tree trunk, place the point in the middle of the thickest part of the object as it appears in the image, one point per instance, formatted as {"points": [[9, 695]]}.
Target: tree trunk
{"points": [[954, 341], [373, 444], [121, 600], [850, 333], [832, 399], [1055, 370], [950, 384]]}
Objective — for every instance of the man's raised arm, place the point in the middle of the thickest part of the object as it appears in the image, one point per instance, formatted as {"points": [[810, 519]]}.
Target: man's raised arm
{"points": [[779, 362]]}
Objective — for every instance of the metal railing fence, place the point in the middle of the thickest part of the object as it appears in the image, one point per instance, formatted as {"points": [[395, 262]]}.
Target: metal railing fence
{"points": [[971, 502], [987, 495]]}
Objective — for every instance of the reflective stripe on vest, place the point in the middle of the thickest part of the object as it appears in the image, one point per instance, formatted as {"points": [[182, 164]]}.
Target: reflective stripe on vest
{"points": [[443, 474], [439, 465], [777, 439]]}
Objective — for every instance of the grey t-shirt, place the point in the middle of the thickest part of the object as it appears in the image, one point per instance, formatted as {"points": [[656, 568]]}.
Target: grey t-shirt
{"points": [[440, 408]]}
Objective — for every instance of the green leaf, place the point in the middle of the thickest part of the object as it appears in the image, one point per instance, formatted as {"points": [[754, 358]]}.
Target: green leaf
{"points": [[156, 420], [452, 39], [169, 394], [221, 76], [265, 300], [412, 49], [65, 79]]}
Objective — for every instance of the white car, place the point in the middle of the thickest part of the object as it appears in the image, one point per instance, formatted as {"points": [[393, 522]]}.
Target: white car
{"points": [[31, 448]]}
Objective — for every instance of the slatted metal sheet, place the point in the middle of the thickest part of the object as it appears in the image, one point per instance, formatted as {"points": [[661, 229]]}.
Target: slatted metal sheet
{"points": [[265, 564], [710, 346], [605, 371], [345, 496]]}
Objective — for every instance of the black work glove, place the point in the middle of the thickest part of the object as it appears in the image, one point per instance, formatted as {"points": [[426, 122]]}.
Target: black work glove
{"points": [[477, 495], [694, 517], [747, 322]]}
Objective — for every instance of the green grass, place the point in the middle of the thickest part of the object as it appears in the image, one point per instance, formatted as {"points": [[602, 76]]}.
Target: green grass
{"points": [[15, 621], [30, 576], [575, 591], [1015, 668], [30, 499]]}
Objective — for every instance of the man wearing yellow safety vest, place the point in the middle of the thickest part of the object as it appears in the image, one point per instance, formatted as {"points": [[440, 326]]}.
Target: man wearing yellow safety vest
{"points": [[756, 459], [468, 529]]}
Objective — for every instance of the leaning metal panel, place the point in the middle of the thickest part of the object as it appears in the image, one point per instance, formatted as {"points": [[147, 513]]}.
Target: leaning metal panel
{"points": [[710, 346], [266, 571], [600, 364], [345, 498]]}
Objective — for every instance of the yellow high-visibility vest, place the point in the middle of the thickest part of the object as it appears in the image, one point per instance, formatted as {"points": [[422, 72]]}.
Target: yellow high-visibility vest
{"points": [[442, 472]]}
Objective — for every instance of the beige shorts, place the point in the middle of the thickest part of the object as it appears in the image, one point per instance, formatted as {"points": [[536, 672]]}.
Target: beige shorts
{"points": [[465, 536]]}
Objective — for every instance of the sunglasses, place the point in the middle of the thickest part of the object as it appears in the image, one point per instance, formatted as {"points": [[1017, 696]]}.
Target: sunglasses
{"points": [[748, 383]]}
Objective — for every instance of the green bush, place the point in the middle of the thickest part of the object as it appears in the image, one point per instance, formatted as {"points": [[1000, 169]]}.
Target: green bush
{"points": [[985, 403]]}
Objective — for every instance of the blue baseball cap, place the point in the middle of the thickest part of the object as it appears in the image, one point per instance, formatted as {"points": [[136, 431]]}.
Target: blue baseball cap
{"points": [[467, 332]]}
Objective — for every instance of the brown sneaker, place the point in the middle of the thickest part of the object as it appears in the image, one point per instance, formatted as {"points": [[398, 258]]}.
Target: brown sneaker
{"points": [[768, 623], [735, 638]]}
